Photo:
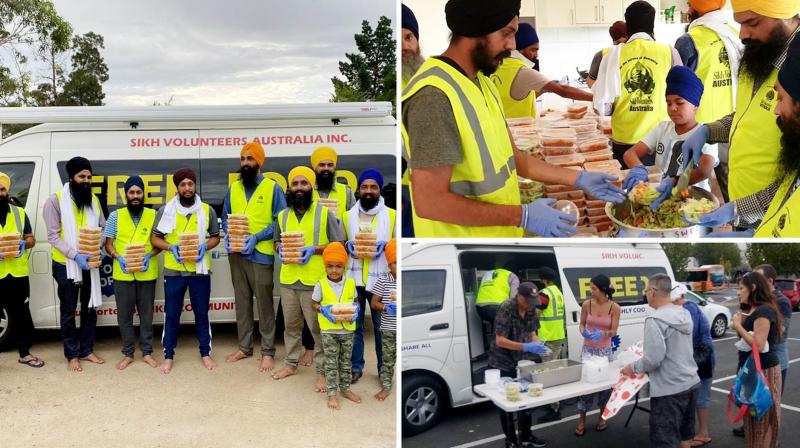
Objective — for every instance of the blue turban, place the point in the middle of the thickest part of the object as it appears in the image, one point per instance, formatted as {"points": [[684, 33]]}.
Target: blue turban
{"points": [[371, 173], [134, 181], [409, 21], [526, 36], [789, 75], [683, 82]]}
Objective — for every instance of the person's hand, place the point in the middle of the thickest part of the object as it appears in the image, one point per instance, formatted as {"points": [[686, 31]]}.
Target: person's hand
{"points": [[737, 319], [21, 248], [692, 147], [249, 245], [535, 347], [350, 246], [635, 175], [593, 335], [627, 370], [740, 234], [280, 254], [327, 312], [83, 261], [725, 214], [391, 309], [355, 315], [308, 252], [541, 218], [599, 185], [227, 243], [665, 190], [201, 253], [176, 253], [122, 264], [146, 261], [381, 245]]}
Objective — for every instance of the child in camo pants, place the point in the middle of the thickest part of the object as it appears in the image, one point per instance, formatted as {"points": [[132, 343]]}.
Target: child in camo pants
{"points": [[384, 298]]}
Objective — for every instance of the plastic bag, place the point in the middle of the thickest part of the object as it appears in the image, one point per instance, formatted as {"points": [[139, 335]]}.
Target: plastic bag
{"points": [[751, 391], [595, 369]]}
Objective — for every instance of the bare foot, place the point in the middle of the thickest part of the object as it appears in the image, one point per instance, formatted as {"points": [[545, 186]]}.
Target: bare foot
{"points": [[166, 366], [321, 387], [307, 359], [74, 365], [267, 363], [350, 395], [284, 372], [380, 396], [237, 355], [126, 361], [150, 361], [332, 402], [94, 358], [209, 363]]}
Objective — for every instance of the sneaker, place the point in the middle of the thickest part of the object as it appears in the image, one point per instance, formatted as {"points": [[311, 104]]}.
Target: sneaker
{"points": [[738, 432], [551, 416], [534, 441]]}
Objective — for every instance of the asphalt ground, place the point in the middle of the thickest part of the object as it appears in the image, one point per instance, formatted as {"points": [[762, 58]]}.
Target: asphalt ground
{"points": [[479, 425]]}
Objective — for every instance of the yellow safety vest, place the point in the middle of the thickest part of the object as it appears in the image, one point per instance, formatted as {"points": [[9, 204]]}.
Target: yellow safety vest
{"points": [[314, 225], [641, 105], [341, 193], [778, 221], [495, 290], [503, 78], [551, 320], [80, 221], [714, 71], [130, 233], [488, 171], [15, 223], [258, 210], [183, 225], [329, 297], [755, 138]]}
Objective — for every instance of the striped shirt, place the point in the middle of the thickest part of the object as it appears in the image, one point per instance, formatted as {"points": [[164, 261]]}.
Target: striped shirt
{"points": [[383, 288]]}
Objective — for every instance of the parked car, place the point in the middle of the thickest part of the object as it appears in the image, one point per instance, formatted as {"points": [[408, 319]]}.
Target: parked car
{"points": [[718, 316], [791, 289]]}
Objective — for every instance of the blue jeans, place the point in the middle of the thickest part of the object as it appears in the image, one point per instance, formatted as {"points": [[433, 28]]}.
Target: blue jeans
{"points": [[783, 356], [77, 343], [199, 295], [358, 341]]}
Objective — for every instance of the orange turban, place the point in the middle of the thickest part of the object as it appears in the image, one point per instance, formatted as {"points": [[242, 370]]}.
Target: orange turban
{"points": [[704, 6], [391, 251], [323, 153], [334, 252], [776, 9], [256, 150]]}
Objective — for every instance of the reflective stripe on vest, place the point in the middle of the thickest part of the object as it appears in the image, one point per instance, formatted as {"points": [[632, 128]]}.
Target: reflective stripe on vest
{"points": [[641, 105], [80, 221], [340, 193], [495, 290], [778, 222], [17, 267], [552, 318], [755, 139], [714, 71], [130, 233], [503, 78], [329, 298], [365, 262], [258, 210], [487, 172], [315, 228], [182, 225]]}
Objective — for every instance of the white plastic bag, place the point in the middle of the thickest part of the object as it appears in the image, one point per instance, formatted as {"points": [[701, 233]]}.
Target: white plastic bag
{"points": [[595, 369]]}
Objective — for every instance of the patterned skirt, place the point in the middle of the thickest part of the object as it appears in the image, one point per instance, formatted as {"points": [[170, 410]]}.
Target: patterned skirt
{"points": [[764, 433], [585, 402]]}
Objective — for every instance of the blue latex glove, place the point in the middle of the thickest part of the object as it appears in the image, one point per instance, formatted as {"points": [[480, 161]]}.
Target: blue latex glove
{"points": [[594, 335], [122, 264], [615, 341], [83, 261], [723, 215], [541, 218], [227, 243], [307, 251], [391, 309], [280, 254], [351, 248], [21, 248], [635, 175], [743, 234], [599, 185], [327, 312], [146, 262], [381, 245], [201, 253], [249, 245], [665, 188], [536, 347], [693, 146], [176, 253], [355, 315]]}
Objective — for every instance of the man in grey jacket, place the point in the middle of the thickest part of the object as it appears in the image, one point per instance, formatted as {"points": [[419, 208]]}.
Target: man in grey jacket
{"points": [[669, 362]]}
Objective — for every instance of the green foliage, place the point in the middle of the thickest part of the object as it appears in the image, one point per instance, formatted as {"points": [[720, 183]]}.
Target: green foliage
{"points": [[726, 254], [89, 72], [678, 255], [33, 23], [785, 258]]}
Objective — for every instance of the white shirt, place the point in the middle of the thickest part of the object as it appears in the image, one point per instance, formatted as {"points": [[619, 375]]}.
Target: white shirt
{"points": [[667, 144]]}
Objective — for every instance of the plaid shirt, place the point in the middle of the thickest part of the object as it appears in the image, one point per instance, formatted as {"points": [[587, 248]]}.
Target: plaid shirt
{"points": [[509, 324]]}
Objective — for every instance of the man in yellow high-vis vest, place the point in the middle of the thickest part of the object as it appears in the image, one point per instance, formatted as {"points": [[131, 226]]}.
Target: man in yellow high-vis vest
{"points": [[464, 167], [319, 226], [14, 282], [552, 327], [134, 275], [261, 199], [68, 210], [186, 217], [497, 286], [323, 162]]}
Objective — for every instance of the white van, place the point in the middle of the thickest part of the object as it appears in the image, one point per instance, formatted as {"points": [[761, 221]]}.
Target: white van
{"points": [[154, 142], [443, 347]]}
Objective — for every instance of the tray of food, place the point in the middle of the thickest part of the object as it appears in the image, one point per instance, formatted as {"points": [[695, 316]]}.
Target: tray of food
{"points": [[667, 220], [552, 373]]}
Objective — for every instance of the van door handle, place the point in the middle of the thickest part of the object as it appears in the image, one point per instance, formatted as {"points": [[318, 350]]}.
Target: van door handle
{"points": [[574, 316], [440, 327]]}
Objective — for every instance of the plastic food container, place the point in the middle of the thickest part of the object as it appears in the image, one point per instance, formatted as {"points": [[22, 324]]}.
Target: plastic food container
{"points": [[594, 144], [559, 150], [558, 189], [585, 125], [577, 108], [536, 390], [525, 121], [597, 211], [491, 376], [603, 166], [567, 195], [595, 203], [599, 156], [567, 160], [559, 140], [513, 390]]}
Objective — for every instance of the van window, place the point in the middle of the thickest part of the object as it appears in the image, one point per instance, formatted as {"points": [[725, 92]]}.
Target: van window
{"points": [[21, 175], [423, 292], [630, 283]]}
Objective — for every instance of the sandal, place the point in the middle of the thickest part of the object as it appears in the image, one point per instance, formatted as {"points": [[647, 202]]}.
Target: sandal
{"points": [[698, 442], [601, 426], [580, 430], [33, 362]]}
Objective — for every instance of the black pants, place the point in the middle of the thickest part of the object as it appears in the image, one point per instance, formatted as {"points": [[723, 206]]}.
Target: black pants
{"points": [[77, 344], [524, 419], [14, 293]]}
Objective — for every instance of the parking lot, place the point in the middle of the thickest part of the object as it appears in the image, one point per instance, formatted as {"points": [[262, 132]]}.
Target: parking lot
{"points": [[479, 425]]}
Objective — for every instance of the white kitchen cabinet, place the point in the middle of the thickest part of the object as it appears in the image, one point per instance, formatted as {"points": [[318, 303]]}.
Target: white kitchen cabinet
{"points": [[553, 13], [598, 12], [611, 11], [527, 8]]}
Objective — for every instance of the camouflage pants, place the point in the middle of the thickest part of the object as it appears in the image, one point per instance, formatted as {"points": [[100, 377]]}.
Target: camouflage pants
{"points": [[337, 349], [389, 346]]}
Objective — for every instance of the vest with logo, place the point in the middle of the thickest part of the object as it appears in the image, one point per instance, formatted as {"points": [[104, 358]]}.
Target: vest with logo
{"points": [[495, 290], [778, 222], [314, 225], [258, 210], [551, 320], [714, 70], [130, 233]]}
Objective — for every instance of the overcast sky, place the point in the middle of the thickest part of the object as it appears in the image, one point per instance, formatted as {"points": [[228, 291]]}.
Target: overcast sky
{"points": [[222, 52]]}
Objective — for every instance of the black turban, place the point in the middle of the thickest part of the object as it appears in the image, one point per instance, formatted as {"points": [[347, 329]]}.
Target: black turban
{"points": [[477, 18], [789, 75], [77, 164], [640, 17]]}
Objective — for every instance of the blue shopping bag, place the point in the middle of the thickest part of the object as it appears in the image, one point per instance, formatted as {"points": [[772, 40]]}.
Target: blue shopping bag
{"points": [[751, 391]]}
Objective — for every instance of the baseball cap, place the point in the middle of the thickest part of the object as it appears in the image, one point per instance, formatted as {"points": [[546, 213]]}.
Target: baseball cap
{"points": [[678, 290], [528, 290]]}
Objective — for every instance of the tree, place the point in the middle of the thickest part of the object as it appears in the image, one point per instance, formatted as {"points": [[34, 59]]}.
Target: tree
{"points": [[678, 255], [33, 23], [89, 72], [785, 258], [370, 74], [726, 254]]}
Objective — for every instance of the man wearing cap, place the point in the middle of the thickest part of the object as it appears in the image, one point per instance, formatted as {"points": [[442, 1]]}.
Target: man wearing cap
{"points": [[186, 214], [552, 327], [369, 212], [463, 164], [135, 292], [619, 35], [320, 227], [411, 55], [767, 29], [516, 327], [14, 273], [252, 269], [323, 162], [65, 212], [519, 83]]}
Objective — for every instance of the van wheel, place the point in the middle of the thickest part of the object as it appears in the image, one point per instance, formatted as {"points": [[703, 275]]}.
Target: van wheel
{"points": [[423, 404], [5, 326], [719, 326]]}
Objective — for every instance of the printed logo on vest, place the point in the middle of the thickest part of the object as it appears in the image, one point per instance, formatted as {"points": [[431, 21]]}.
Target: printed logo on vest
{"points": [[640, 85], [769, 103], [722, 78], [778, 229]]}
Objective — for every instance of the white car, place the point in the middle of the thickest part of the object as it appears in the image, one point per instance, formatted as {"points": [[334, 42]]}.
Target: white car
{"points": [[718, 316]]}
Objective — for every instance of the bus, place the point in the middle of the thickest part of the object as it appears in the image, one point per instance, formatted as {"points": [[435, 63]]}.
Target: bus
{"points": [[706, 278]]}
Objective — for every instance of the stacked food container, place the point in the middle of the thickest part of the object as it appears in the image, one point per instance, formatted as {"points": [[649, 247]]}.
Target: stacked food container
{"points": [[343, 312], [332, 204], [238, 231], [9, 245], [89, 244], [189, 246], [366, 245], [134, 257], [291, 245]]}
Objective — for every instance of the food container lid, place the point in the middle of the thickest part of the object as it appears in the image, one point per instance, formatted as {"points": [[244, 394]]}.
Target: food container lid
{"points": [[603, 165], [569, 159]]}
